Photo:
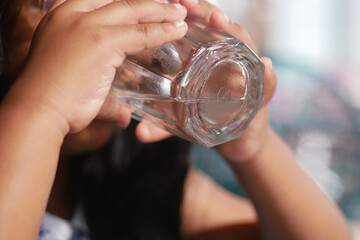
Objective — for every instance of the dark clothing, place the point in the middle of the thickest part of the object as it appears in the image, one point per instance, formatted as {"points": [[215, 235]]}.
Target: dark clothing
{"points": [[131, 190]]}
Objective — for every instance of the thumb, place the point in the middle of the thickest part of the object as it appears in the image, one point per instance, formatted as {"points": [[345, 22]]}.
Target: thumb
{"points": [[115, 111], [148, 133], [270, 80]]}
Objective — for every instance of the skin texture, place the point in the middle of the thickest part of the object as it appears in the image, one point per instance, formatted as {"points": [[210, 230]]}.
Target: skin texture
{"points": [[59, 115], [36, 120]]}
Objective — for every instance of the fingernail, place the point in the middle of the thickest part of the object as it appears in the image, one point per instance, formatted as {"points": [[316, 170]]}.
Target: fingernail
{"points": [[196, 1], [178, 5], [121, 124], [179, 23], [227, 19], [145, 131], [270, 64], [267, 62]]}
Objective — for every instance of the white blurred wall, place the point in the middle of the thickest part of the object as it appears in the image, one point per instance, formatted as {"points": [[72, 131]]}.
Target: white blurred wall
{"points": [[354, 32], [317, 33]]}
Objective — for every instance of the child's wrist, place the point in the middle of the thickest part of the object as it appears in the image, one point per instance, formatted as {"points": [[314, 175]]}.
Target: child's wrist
{"points": [[267, 138], [257, 155], [18, 105], [245, 150]]}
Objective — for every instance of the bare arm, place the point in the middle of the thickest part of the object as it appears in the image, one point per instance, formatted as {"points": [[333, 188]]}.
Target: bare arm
{"points": [[29, 148], [210, 212], [288, 202], [67, 76]]}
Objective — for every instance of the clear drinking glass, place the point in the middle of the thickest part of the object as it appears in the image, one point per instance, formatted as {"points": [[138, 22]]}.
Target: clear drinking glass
{"points": [[205, 87]]}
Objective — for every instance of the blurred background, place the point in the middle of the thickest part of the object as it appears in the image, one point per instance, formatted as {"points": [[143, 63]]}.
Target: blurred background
{"points": [[315, 48]]}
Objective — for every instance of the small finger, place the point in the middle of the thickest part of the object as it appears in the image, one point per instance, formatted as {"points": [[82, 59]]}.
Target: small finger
{"points": [[148, 11], [138, 37], [114, 111], [223, 22], [202, 9], [148, 133], [270, 80], [213, 15]]}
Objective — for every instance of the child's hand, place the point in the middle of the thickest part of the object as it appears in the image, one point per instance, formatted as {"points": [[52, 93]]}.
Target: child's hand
{"points": [[255, 136], [78, 46]]}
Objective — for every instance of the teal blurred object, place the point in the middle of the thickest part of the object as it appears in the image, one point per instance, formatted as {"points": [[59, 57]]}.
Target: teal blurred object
{"points": [[322, 127], [210, 162], [317, 120]]}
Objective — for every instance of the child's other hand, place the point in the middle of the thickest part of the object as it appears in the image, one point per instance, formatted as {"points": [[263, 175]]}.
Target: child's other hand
{"points": [[78, 46], [255, 136]]}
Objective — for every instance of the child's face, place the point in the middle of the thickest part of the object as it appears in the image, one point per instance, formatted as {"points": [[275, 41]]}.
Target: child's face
{"points": [[98, 132]]}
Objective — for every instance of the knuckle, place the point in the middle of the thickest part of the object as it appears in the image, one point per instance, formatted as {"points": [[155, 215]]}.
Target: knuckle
{"points": [[144, 30], [79, 22], [208, 9], [83, 26], [164, 28], [119, 51], [161, 34], [133, 4], [96, 35]]}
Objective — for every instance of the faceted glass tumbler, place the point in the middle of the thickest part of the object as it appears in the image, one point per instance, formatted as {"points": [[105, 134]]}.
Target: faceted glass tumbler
{"points": [[205, 87]]}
